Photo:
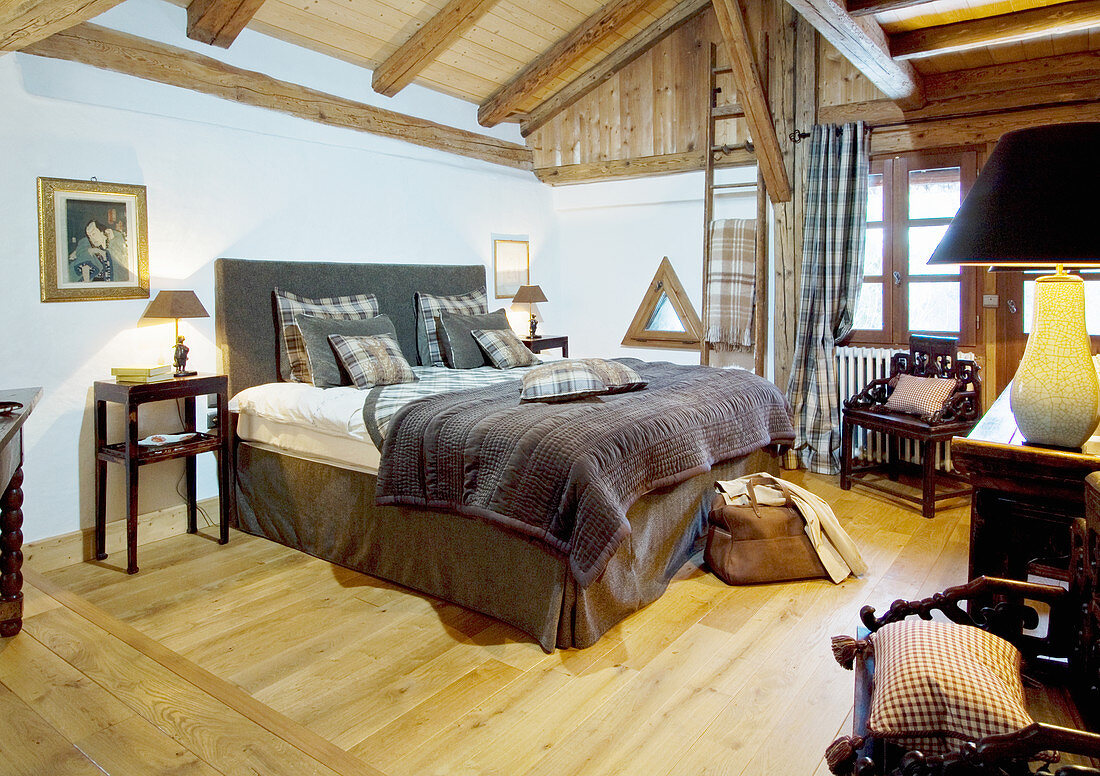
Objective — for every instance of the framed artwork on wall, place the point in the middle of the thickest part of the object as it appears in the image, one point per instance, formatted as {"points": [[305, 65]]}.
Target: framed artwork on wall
{"points": [[93, 240], [511, 264]]}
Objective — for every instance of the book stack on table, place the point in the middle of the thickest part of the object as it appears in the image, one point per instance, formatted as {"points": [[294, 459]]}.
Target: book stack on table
{"points": [[142, 374]]}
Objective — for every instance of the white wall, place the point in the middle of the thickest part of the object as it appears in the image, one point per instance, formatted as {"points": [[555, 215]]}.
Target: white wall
{"points": [[609, 241], [223, 180]]}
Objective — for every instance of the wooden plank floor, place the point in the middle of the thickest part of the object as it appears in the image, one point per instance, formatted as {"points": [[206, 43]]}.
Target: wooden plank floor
{"points": [[252, 658]]}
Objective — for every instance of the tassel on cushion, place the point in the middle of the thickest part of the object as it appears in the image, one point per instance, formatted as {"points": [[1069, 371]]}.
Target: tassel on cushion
{"points": [[841, 754], [846, 648]]}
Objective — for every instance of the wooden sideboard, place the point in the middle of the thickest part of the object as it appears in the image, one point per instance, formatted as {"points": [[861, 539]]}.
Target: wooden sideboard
{"points": [[11, 512], [1025, 497]]}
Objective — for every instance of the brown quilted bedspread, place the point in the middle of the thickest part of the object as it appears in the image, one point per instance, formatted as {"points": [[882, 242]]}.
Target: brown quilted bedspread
{"points": [[566, 474]]}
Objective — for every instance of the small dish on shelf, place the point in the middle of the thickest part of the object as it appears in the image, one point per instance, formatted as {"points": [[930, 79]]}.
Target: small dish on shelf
{"points": [[8, 407]]}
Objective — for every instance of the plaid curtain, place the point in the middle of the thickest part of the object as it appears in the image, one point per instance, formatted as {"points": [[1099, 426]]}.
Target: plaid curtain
{"points": [[832, 272]]}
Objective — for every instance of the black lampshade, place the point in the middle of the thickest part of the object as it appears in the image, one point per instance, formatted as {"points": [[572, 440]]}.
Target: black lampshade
{"points": [[175, 304], [1035, 203]]}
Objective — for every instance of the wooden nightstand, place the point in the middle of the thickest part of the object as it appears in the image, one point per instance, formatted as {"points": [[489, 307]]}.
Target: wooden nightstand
{"points": [[132, 455], [539, 344]]}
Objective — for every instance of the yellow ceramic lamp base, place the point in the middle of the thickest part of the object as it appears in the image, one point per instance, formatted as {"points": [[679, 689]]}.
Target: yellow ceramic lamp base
{"points": [[1055, 391]]}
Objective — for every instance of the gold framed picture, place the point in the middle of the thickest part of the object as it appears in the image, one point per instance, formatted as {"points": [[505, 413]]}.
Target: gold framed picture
{"points": [[511, 264], [93, 240]]}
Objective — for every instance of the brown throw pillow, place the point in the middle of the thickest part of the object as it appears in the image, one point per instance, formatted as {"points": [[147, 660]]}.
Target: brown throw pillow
{"points": [[372, 361], [921, 396]]}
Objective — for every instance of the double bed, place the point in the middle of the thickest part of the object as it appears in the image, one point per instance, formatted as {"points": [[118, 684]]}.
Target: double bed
{"points": [[307, 463]]}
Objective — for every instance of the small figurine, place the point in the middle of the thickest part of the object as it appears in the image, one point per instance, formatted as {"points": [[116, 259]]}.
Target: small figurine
{"points": [[179, 358]]}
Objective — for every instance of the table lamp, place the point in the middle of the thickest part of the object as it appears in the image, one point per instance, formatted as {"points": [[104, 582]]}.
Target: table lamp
{"points": [[1034, 205], [529, 295], [177, 304]]}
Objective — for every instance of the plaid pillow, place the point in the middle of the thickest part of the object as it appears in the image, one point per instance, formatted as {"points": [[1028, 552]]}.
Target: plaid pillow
{"points": [[293, 360], [938, 684], [428, 309], [503, 348], [618, 377], [923, 396], [561, 381], [372, 361]]}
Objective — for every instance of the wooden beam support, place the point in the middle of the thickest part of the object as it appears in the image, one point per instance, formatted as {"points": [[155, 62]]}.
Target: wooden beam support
{"points": [[871, 7], [556, 60], [639, 167], [972, 130], [612, 64], [219, 22], [1032, 83], [864, 44], [128, 54], [750, 94], [23, 22], [427, 43], [1003, 28]]}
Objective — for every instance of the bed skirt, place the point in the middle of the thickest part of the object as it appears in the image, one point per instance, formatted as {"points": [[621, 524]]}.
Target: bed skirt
{"points": [[330, 513]]}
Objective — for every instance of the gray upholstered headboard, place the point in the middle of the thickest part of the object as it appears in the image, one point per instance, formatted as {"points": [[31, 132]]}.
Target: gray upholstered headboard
{"points": [[244, 320]]}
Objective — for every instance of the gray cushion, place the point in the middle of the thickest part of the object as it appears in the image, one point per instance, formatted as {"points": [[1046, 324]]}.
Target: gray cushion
{"points": [[323, 363], [460, 349], [428, 309]]}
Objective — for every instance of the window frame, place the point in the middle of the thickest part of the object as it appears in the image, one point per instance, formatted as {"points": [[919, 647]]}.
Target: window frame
{"points": [[895, 169]]}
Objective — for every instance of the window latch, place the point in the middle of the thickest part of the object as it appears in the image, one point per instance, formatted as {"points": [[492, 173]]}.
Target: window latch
{"points": [[897, 278]]}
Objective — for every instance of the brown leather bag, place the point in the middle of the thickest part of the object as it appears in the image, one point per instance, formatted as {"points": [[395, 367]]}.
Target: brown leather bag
{"points": [[755, 543]]}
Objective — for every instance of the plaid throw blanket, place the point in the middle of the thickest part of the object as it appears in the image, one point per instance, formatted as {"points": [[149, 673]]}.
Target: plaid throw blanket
{"points": [[565, 474], [731, 284]]}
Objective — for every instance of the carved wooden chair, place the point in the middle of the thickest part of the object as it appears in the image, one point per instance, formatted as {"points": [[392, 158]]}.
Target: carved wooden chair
{"points": [[1066, 658], [874, 409]]}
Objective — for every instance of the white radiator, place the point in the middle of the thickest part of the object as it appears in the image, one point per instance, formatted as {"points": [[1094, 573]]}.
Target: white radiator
{"points": [[855, 367]]}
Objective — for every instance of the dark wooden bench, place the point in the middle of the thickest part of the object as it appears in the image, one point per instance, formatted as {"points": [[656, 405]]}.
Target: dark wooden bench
{"points": [[927, 357]]}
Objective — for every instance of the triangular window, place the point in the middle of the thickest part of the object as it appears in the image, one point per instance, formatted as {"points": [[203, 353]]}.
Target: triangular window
{"points": [[666, 317]]}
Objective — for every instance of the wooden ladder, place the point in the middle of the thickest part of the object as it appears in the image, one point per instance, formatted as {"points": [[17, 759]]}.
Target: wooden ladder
{"points": [[717, 113]]}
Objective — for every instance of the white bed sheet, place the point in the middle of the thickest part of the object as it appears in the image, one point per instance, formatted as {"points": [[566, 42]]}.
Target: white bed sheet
{"points": [[318, 424], [326, 424]]}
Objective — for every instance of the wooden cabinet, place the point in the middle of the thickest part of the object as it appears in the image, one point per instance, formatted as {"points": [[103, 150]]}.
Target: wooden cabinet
{"points": [[11, 505], [1025, 497]]}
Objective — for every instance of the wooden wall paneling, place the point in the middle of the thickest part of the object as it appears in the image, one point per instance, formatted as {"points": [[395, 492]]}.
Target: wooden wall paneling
{"points": [[556, 61], [839, 82], [128, 54], [23, 22], [780, 54], [617, 60]]}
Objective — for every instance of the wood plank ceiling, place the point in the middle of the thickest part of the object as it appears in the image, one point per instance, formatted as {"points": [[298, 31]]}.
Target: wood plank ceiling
{"points": [[526, 60]]}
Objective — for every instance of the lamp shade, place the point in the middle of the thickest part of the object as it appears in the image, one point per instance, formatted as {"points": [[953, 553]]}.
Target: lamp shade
{"points": [[175, 304], [529, 295], [1034, 203]]}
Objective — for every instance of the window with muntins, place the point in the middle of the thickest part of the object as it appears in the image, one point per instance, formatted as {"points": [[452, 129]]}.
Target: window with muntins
{"points": [[911, 200]]}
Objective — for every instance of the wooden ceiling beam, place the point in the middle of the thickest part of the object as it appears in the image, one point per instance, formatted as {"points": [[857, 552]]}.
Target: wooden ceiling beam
{"points": [[638, 167], [751, 96], [871, 7], [427, 43], [607, 67], [23, 22], [864, 44], [1049, 81], [108, 49], [557, 59], [1003, 28], [219, 22]]}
